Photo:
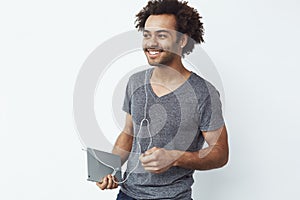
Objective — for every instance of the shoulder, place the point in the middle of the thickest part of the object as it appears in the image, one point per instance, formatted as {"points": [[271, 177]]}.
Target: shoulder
{"points": [[202, 87], [139, 76]]}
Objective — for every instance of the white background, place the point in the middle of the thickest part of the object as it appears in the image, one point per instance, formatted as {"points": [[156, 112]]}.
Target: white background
{"points": [[254, 45]]}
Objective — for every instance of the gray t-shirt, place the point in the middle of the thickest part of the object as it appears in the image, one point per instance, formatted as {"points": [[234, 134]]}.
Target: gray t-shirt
{"points": [[176, 121]]}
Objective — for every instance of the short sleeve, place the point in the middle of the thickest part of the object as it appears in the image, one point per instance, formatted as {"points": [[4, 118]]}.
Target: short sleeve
{"points": [[210, 111], [127, 99]]}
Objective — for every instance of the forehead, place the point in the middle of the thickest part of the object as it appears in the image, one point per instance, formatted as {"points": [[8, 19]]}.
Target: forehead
{"points": [[164, 21]]}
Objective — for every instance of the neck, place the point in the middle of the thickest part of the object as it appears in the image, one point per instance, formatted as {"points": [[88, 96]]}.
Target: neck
{"points": [[174, 72]]}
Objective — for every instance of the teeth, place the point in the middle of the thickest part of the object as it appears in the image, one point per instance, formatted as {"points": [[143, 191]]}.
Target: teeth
{"points": [[151, 52]]}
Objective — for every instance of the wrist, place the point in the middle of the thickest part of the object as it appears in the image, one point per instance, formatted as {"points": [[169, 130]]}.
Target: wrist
{"points": [[175, 154]]}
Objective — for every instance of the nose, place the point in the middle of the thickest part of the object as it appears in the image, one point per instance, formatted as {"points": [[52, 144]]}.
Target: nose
{"points": [[151, 42]]}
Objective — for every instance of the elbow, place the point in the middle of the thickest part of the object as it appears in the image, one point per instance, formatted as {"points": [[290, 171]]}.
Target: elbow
{"points": [[224, 162], [221, 163], [224, 159]]}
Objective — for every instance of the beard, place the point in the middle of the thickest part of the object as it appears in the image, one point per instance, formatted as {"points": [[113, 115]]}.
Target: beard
{"points": [[163, 58]]}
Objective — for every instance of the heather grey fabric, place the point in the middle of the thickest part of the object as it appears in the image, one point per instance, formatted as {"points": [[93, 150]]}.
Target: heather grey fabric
{"points": [[176, 121]]}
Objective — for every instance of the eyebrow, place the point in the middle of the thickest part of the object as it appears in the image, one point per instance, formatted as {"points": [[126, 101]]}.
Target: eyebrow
{"points": [[158, 31]]}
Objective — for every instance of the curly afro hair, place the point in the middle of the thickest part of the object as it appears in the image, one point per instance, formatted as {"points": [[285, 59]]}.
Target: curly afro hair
{"points": [[187, 19]]}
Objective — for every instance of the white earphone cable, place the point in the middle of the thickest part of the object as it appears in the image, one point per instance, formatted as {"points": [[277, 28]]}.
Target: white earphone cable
{"points": [[115, 170]]}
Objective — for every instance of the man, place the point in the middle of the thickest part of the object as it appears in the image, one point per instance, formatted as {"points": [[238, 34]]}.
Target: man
{"points": [[170, 111]]}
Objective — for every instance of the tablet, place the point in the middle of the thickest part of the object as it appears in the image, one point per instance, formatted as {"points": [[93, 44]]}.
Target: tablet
{"points": [[98, 163]]}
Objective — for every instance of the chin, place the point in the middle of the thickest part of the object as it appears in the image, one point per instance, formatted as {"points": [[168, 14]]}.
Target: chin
{"points": [[156, 64], [153, 64], [160, 62]]}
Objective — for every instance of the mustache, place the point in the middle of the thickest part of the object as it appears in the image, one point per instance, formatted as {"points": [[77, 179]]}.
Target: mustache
{"points": [[153, 48]]}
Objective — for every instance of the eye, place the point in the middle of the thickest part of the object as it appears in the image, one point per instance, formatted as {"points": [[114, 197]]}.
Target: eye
{"points": [[146, 35], [162, 36]]}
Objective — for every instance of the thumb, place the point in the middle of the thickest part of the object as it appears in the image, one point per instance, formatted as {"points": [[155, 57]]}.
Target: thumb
{"points": [[150, 151]]}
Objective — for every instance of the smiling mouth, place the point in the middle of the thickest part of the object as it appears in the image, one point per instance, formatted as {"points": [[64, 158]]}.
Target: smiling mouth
{"points": [[153, 51]]}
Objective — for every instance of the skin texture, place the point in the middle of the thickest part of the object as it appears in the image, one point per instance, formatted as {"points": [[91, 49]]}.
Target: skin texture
{"points": [[158, 160], [160, 34], [163, 39], [168, 74], [122, 148]]}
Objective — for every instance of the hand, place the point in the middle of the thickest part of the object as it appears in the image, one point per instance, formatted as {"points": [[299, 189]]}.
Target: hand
{"points": [[108, 182], [158, 160]]}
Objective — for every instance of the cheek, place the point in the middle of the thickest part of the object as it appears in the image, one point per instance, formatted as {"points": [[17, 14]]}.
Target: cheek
{"points": [[168, 44], [144, 43], [176, 47]]}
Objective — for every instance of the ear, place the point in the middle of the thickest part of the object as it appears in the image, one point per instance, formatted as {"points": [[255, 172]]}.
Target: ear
{"points": [[183, 40]]}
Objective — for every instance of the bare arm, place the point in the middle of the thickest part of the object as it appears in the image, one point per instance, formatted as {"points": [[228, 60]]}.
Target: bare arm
{"points": [[123, 143], [122, 148], [158, 160], [213, 156]]}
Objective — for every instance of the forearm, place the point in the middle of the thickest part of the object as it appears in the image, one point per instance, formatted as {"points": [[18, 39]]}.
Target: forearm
{"points": [[208, 158], [123, 146]]}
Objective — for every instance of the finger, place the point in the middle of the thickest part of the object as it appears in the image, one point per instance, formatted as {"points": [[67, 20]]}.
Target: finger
{"points": [[103, 179], [99, 184], [102, 185], [105, 183], [151, 169], [146, 159], [150, 164], [155, 170], [115, 182], [115, 179], [110, 182], [150, 151]]}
